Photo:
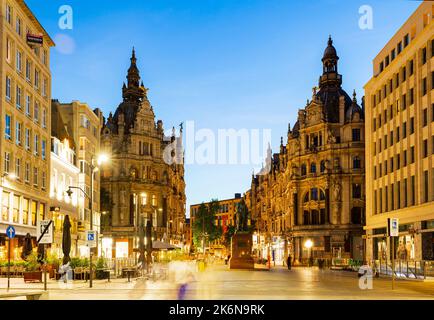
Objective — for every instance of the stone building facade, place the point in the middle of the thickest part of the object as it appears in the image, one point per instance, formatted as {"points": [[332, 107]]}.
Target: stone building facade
{"points": [[84, 126], [142, 180], [25, 98], [313, 188]]}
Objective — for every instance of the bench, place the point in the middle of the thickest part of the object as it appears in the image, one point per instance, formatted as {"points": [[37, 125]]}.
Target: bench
{"points": [[31, 295]]}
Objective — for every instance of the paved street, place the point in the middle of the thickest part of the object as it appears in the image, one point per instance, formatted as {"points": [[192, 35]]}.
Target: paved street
{"points": [[217, 282]]}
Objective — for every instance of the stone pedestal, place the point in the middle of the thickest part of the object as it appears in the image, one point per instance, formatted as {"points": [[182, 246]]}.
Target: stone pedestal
{"points": [[241, 251]]}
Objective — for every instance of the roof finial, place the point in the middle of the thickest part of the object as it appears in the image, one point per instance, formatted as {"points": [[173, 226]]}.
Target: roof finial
{"points": [[330, 42], [354, 96]]}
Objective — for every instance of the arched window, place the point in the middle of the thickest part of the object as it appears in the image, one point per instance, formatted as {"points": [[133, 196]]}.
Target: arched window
{"points": [[314, 194], [315, 217], [313, 167], [303, 169], [322, 166], [321, 195], [306, 197]]}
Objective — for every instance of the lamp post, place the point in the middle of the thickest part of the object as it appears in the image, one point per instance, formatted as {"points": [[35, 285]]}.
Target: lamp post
{"points": [[93, 168]]}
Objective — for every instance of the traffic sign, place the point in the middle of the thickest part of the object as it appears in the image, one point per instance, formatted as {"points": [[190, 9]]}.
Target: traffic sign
{"points": [[46, 238], [91, 238], [10, 232]]}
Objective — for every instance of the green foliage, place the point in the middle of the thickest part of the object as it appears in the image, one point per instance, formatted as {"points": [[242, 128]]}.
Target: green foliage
{"points": [[204, 222], [52, 258], [32, 263]]}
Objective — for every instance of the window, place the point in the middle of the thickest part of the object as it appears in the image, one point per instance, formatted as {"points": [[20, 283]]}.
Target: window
{"points": [[36, 112], [8, 134], [154, 200], [28, 70], [391, 138], [28, 105], [411, 68], [8, 50], [44, 57], [413, 190], [8, 89], [43, 182], [35, 176], [398, 162], [312, 167], [404, 158], [18, 168], [412, 154], [423, 55], [424, 87], [43, 149], [404, 130], [425, 148], [356, 134], [303, 170], [397, 134], [9, 14], [426, 186], [44, 118], [314, 194], [392, 55], [404, 73], [411, 125], [18, 62], [411, 96], [18, 128], [425, 117], [26, 211], [357, 191], [404, 101], [27, 139], [322, 166], [27, 173], [36, 145], [399, 48], [356, 163], [18, 97], [36, 79], [7, 162], [18, 26], [44, 87]]}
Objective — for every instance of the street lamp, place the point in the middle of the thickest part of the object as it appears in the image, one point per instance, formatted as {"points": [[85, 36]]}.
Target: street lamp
{"points": [[93, 168], [308, 245]]}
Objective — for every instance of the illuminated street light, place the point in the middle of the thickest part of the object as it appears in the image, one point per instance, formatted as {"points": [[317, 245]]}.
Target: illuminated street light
{"points": [[308, 244]]}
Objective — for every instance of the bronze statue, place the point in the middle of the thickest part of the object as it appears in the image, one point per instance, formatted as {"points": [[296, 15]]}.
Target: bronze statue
{"points": [[241, 215]]}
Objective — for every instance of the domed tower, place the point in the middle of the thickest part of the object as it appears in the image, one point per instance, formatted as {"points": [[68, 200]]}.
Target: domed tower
{"points": [[330, 85]]}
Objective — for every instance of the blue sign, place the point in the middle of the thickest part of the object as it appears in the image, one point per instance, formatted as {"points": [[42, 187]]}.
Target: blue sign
{"points": [[91, 236], [10, 232]]}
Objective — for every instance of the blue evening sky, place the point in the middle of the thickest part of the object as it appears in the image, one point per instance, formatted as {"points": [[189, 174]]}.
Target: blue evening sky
{"points": [[221, 63]]}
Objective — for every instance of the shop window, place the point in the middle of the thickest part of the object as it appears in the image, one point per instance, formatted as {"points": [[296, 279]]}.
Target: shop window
{"points": [[356, 215]]}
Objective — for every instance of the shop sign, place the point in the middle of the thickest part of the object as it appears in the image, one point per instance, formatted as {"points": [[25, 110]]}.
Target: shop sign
{"points": [[33, 39]]}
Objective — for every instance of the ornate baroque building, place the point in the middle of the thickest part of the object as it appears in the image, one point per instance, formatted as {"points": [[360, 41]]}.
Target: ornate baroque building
{"points": [[139, 183], [313, 189]]}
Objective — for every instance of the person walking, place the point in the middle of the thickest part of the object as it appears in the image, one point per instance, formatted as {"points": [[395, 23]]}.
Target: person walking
{"points": [[288, 262]]}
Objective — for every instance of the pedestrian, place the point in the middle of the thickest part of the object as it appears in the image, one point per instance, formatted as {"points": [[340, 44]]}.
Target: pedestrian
{"points": [[64, 271], [288, 262]]}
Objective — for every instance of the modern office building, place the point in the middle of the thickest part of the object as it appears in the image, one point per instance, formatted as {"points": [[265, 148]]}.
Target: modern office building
{"points": [[400, 136]]}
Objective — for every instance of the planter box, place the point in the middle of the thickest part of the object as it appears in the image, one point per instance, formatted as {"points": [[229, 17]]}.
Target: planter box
{"points": [[33, 276]]}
